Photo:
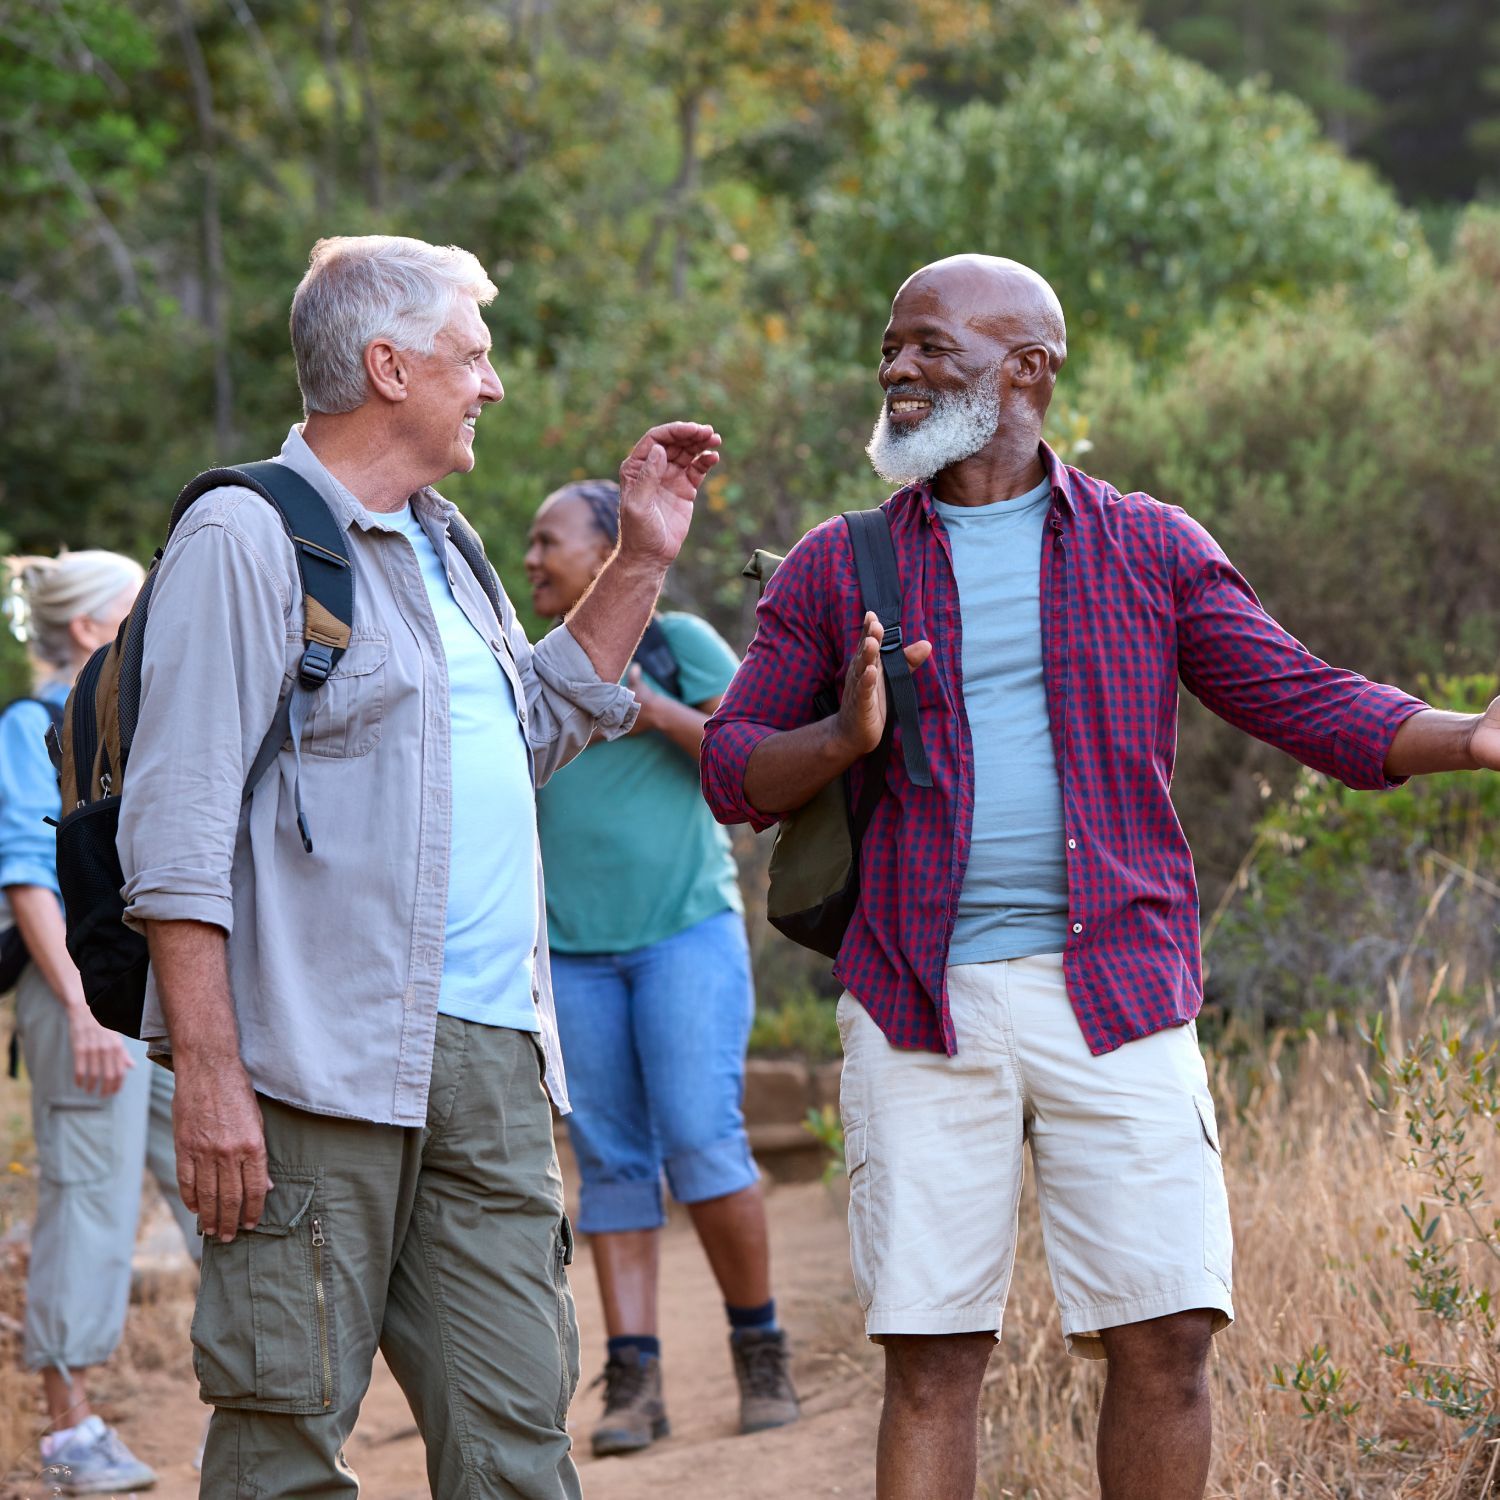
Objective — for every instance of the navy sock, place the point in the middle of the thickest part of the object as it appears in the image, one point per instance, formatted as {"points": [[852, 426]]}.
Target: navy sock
{"points": [[647, 1345], [760, 1319]]}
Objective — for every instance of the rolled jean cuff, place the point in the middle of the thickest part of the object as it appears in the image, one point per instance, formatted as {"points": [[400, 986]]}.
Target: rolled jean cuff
{"points": [[619, 1207], [712, 1171]]}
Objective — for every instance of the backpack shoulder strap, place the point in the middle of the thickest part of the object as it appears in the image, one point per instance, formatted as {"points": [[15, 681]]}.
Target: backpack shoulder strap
{"points": [[321, 551], [471, 549], [54, 710], [880, 586], [655, 655], [327, 580]]}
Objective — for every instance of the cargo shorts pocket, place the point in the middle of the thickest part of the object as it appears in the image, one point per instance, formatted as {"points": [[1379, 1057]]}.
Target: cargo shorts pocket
{"points": [[264, 1333], [861, 1206], [1218, 1253], [567, 1320]]}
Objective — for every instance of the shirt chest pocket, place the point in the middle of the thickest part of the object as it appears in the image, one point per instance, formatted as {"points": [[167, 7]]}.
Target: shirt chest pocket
{"points": [[348, 709]]}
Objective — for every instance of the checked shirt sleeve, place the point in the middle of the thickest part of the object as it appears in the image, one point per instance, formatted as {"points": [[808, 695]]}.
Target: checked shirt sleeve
{"points": [[1249, 670], [790, 661]]}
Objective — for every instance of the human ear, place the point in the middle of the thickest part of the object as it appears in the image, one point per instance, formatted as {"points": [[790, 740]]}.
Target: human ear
{"points": [[1032, 365], [86, 633], [386, 370]]}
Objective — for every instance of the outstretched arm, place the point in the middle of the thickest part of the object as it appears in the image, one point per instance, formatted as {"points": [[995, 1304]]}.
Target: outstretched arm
{"points": [[1434, 740]]}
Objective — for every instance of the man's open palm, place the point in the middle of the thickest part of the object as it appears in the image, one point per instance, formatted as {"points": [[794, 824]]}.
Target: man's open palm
{"points": [[659, 481], [1485, 745]]}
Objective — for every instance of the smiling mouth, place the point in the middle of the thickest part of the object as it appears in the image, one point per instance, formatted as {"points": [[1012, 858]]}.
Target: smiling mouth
{"points": [[908, 408]]}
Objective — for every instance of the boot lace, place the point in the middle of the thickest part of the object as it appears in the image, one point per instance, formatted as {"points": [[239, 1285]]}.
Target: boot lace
{"points": [[764, 1363], [624, 1384]]}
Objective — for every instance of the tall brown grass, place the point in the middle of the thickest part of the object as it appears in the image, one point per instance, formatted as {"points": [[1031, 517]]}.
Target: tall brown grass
{"points": [[1317, 1189]]}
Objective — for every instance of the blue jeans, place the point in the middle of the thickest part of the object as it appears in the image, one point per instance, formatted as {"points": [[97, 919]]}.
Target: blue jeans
{"points": [[654, 1046]]}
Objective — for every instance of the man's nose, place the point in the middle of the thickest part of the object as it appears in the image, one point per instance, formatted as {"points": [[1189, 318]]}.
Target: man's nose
{"points": [[900, 368], [490, 388]]}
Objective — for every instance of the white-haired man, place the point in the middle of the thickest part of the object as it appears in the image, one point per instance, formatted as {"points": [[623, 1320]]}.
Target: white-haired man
{"points": [[361, 1033], [1023, 968]]}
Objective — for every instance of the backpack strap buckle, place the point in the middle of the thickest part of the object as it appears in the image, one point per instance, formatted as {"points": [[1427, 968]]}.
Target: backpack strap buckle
{"points": [[317, 663], [891, 641]]}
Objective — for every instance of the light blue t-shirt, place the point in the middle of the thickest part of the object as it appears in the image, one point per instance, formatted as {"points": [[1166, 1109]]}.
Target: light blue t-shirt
{"points": [[492, 915], [1014, 901]]}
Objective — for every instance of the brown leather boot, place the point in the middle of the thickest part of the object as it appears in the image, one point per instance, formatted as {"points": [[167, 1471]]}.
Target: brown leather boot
{"points": [[634, 1412], [763, 1367]]}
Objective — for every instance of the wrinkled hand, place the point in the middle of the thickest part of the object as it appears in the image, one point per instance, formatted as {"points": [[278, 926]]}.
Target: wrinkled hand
{"points": [[659, 481], [862, 709], [100, 1061], [1484, 744], [221, 1147]]}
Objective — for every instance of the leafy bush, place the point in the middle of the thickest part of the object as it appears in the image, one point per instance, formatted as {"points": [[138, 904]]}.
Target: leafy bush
{"points": [[1348, 898], [1147, 190], [1346, 465], [803, 1025]]}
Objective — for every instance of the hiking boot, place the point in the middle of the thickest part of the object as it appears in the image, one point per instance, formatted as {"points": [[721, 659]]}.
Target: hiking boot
{"points": [[634, 1413], [763, 1367], [93, 1461]]}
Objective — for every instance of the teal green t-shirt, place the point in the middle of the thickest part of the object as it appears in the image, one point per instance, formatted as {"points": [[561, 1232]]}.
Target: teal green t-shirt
{"points": [[630, 850]]}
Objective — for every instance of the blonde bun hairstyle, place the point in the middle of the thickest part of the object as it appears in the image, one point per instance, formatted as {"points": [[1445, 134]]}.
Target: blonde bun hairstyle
{"points": [[43, 595]]}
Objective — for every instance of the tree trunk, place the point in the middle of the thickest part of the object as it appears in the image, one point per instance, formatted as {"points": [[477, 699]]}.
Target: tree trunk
{"points": [[333, 136], [687, 187], [369, 108], [674, 211], [215, 286]]}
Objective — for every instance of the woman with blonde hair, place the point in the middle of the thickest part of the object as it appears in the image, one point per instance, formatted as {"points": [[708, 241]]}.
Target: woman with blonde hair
{"points": [[100, 1112]]}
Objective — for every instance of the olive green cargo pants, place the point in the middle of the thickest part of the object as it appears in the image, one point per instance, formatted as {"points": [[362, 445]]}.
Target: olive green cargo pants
{"points": [[443, 1246]]}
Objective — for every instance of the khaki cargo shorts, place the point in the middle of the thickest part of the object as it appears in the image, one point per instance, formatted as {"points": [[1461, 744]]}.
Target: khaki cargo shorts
{"points": [[1124, 1146]]}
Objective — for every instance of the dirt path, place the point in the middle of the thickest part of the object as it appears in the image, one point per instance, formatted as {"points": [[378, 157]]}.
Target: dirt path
{"points": [[830, 1452]]}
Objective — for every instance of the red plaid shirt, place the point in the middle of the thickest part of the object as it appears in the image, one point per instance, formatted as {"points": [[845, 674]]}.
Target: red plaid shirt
{"points": [[1134, 594]]}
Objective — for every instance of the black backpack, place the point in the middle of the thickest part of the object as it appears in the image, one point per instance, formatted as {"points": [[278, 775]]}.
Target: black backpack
{"points": [[13, 954], [92, 749], [814, 886], [655, 655]]}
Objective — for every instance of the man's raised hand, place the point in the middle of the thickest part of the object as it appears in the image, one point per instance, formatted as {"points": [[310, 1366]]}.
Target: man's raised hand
{"points": [[860, 721], [1484, 743], [659, 481]]}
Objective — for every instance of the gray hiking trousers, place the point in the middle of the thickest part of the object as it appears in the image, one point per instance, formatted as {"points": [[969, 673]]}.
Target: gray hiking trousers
{"points": [[91, 1155]]}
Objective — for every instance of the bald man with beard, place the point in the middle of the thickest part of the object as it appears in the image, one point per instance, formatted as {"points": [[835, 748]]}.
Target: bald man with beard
{"points": [[1023, 967]]}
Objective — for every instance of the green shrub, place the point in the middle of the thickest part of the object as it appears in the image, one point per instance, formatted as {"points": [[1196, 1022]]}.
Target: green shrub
{"points": [[803, 1025]]}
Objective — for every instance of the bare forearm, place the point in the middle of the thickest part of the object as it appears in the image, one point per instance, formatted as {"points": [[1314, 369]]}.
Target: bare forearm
{"points": [[40, 921], [681, 723], [787, 770], [611, 618], [190, 962], [1433, 740]]}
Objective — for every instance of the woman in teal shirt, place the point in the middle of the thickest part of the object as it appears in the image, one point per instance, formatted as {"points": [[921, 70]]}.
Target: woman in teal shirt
{"points": [[651, 974]]}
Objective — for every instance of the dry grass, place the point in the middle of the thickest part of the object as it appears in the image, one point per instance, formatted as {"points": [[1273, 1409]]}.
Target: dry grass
{"points": [[1316, 1189]]}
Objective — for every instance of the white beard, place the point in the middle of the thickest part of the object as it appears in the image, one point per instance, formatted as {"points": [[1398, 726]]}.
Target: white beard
{"points": [[956, 428]]}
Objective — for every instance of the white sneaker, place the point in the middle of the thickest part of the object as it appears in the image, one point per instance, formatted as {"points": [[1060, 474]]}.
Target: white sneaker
{"points": [[91, 1460]]}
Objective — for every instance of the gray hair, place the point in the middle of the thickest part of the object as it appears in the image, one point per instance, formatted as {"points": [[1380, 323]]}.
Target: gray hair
{"points": [[359, 288], [45, 594]]}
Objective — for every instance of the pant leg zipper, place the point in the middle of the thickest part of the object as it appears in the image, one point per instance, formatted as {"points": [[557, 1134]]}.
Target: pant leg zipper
{"points": [[318, 1241]]}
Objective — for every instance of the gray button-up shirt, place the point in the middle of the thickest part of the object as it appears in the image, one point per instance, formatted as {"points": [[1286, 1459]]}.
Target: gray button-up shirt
{"points": [[335, 957]]}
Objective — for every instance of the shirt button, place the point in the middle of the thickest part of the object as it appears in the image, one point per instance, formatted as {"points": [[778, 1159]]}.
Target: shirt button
{"points": [[1078, 927], [494, 645], [1072, 843]]}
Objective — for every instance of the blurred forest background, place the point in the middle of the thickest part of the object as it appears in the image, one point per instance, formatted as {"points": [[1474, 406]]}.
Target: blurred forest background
{"points": [[1266, 220], [1275, 228]]}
